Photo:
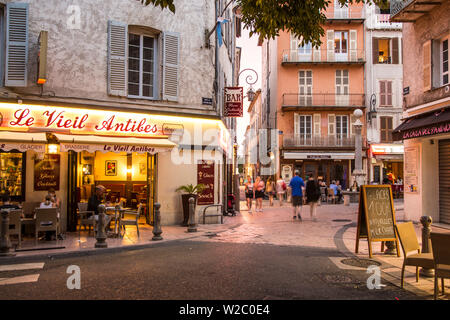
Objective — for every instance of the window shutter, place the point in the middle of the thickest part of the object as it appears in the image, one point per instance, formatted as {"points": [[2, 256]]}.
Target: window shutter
{"points": [[171, 54], [296, 135], [389, 129], [375, 50], [294, 48], [16, 45], [330, 45], [117, 58], [316, 54], [427, 66], [352, 121], [316, 124], [389, 93], [353, 45], [395, 51], [382, 93], [331, 124], [382, 129]]}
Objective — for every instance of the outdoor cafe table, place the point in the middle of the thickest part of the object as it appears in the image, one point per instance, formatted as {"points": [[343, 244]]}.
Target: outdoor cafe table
{"points": [[116, 216]]}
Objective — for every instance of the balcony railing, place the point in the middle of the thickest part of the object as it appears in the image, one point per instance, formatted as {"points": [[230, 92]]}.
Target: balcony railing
{"points": [[323, 56], [383, 21], [345, 13], [323, 100], [308, 140]]}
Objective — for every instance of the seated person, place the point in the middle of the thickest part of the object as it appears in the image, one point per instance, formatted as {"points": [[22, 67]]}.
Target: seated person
{"points": [[47, 203], [54, 198], [336, 189], [6, 199], [96, 200]]}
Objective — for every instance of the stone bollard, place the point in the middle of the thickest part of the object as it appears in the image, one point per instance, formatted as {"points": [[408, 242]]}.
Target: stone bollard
{"points": [[157, 223], [192, 226], [5, 244], [426, 243], [390, 248], [101, 234]]}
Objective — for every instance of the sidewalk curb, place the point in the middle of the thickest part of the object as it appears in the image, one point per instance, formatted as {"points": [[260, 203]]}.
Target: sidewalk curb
{"points": [[95, 251]]}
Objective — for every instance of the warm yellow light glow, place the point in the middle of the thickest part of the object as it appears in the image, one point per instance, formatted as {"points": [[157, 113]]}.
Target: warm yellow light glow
{"points": [[52, 148]]}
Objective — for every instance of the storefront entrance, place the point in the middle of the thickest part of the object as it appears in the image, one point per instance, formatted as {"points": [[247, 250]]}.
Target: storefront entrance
{"points": [[325, 170], [129, 179]]}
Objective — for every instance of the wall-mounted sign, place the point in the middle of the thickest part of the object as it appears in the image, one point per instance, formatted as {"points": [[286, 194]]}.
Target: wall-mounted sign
{"points": [[405, 91], [411, 180], [318, 156], [386, 148], [234, 97], [205, 176], [47, 172], [207, 101], [171, 129], [427, 131]]}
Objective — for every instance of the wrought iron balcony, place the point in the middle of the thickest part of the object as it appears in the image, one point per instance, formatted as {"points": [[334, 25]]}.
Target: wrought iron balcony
{"points": [[411, 10], [309, 140], [318, 56], [296, 100]]}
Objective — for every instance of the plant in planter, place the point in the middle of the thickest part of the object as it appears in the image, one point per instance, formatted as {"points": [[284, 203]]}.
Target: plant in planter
{"points": [[189, 191]]}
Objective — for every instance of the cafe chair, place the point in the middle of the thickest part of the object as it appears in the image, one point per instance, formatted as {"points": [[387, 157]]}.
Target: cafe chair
{"points": [[86, 218], [130, 218], [15, 224], [323, 194], [441, 253], [331, 197], [409, 243], [47, 219]]}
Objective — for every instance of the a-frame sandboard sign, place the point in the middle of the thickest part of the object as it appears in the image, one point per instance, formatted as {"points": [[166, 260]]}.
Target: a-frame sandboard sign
{"points": [[376, 216]]}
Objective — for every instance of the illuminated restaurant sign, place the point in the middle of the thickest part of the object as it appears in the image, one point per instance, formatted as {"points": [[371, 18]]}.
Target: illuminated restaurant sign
{"points": [[91, 148], [387, 148]]}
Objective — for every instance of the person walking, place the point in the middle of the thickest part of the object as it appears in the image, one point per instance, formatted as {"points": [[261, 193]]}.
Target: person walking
{"points": [[270, 189], [259, 193], [312, 191], [281, 189], [296, 185], [249, 194]]}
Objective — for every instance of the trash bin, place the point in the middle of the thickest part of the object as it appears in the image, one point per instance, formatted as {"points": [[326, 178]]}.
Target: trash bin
{"points": [[346, 199]]}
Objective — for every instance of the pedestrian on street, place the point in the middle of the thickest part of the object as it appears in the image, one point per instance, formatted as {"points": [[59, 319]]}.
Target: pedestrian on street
{"points": [[270, 189], [281, 190], [296, 185], [259, 193], [312, 195], [249, 194]]}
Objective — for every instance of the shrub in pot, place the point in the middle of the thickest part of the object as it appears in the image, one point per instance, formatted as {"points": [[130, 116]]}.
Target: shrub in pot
{"points": [[189, 191]]}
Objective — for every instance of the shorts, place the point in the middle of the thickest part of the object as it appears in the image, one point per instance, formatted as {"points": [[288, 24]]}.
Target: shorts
{"points": [[297, 201], [259, 194], [249, 195]]}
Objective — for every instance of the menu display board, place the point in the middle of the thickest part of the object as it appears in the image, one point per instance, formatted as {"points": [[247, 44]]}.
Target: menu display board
{"points": [[47, 172], [411, 169], [205, 176], [376, 217]]}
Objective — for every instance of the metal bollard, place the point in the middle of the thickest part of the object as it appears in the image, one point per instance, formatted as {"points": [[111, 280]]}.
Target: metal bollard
{"points": [[157, 223], [101, 234], [5, 244], [426, 243], [192, 226]]}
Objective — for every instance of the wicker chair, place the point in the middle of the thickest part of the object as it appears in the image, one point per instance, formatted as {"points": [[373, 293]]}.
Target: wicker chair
{"points": [[409, 243], [441, 253], [47, 219], [86, 217], [130, 218], [15, 224]]}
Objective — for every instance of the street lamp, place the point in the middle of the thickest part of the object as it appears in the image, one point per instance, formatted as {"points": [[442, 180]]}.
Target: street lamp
{"points": [[248, 79], [358, 173], [372, 111]]}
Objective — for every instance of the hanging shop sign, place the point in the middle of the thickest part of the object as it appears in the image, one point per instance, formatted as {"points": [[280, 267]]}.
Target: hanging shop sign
{"points": [[46, 172], [387, 148], [205, 176], [234, 97]]}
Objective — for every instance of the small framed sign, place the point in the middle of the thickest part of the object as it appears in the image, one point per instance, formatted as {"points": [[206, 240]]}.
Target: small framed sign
{"points": [[207, 101], [234, 97], [405, 91]]}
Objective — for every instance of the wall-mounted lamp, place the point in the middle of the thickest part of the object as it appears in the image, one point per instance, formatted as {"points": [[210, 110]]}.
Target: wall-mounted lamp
{"points": [[372, 108], [52, 143]]}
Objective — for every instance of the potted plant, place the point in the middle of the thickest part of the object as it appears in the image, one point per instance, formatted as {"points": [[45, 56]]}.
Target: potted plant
{"points": [[189, 191]]}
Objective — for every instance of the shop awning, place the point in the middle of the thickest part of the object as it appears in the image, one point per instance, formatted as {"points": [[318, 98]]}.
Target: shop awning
{"points": [[91, 144], [436, 122], [22, 141]]}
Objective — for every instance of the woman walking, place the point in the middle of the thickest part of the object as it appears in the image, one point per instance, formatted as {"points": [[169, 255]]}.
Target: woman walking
{"points": [[270, 189], [259, 193], [312, 195], [249, 194], [281, 189]]}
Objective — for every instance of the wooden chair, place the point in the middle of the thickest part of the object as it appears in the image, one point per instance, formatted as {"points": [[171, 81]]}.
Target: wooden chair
{"points": [[330, 195], [86, 218], [28, 208], [15, 224], [130, 217], [323, 194], [47, 219], [441, 253], [409, 243]]}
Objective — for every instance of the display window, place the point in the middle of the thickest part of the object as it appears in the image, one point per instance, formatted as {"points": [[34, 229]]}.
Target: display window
{"points": [[12, 171]]}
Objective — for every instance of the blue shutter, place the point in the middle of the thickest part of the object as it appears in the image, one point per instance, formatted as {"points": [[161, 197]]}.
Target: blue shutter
{"points": [[16, 45], [171, 57], [117, 58]]}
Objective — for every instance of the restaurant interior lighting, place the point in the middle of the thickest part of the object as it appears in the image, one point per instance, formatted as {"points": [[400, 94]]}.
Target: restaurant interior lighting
{"points": [[52, 148]]}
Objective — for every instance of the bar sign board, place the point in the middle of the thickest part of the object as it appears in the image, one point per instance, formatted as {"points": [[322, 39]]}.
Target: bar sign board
{"points": [[376, 217], [205, 176], [234, 97]]}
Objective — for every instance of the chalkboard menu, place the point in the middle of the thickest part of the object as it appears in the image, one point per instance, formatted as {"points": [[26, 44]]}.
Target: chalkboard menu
{"points": [[205, 176], [376, 216], [46, 173]]}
